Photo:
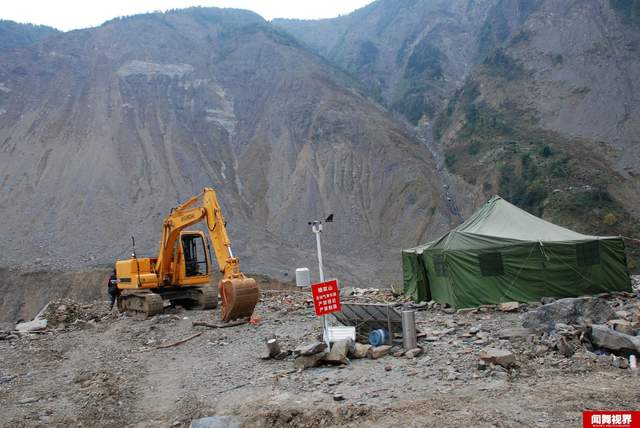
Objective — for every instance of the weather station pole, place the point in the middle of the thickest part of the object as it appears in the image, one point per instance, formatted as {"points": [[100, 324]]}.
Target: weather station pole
{"points": [[316, 227]]}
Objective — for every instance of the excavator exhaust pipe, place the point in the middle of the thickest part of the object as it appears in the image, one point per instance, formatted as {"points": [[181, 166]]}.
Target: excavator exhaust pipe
{"points": [[239, 298]]}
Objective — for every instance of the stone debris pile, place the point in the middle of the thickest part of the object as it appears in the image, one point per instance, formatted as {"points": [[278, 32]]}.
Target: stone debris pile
{"points": [[606, 326], [66, 313], [342, 352], [575, 311]]}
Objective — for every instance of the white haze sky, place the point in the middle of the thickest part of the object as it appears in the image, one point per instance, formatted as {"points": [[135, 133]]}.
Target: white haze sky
{"points": [[73, 14]]}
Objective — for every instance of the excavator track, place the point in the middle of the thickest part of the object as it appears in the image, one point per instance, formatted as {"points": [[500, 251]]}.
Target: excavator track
{"points": [[141, 304], [207, 297]]}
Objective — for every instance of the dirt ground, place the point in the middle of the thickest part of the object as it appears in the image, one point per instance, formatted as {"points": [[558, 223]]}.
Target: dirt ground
{"points": [[99, 368]]}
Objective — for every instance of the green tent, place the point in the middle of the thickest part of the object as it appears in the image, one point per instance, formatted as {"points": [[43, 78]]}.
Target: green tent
{"points": [[504, 254]]}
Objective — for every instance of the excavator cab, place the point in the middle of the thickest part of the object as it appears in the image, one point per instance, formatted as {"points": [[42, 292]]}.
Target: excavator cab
{"points": [[196, 260]]}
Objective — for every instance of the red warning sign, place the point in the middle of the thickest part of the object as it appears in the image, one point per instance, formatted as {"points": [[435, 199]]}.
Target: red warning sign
{"points": [[326, 297]]}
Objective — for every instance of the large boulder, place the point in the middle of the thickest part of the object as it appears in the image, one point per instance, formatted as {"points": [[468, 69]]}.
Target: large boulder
{"points": [[604, 337], [580, 310], [509, 306], [338, 353], [360, 350], [311, 349], [303, 362], [35, 325], [498, 356], [378, 351]]}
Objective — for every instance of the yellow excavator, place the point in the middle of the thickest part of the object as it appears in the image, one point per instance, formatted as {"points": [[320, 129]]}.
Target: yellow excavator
{"points": [[182, 272]]}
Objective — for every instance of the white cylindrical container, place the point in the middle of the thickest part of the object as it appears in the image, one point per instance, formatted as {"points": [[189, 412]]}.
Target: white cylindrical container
{"points": [[303, 278], [633, 363], [409, 339]]}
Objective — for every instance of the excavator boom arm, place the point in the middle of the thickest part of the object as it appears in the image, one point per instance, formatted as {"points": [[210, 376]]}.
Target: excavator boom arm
{"points": [[186, 215], [216, 225]]}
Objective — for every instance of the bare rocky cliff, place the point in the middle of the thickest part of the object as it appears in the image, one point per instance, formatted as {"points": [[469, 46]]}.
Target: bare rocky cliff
{"points": [[103, 130]]}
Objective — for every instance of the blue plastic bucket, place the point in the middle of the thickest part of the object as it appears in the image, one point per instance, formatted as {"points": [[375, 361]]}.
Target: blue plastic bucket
{"points": [[378, 337]]}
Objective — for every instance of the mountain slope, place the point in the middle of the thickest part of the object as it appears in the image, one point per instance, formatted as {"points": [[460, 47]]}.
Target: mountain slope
{"points": [[534, 99], [124, 120], [412, 53], [14, 35], [550, 119]]}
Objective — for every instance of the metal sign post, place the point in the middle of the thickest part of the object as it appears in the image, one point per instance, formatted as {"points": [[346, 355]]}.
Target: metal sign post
{"points": [[316, 227]]}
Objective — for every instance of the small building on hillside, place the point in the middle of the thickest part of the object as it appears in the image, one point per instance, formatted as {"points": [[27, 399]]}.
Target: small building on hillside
{"points": [[503, 254]]}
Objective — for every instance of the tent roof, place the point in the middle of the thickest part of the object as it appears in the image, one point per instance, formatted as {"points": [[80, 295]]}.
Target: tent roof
{"points": [[499, 223]]}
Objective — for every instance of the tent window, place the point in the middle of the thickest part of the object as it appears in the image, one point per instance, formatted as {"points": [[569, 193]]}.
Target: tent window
{"points": [[588, 253], [440, 266], [491, 264]]}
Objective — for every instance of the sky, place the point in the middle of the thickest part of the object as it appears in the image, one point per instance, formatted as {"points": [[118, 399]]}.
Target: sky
{"points": [[73, 14]]}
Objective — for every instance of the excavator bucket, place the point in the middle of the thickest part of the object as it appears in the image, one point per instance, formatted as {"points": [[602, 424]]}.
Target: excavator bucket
{"points": [[239, 298]]}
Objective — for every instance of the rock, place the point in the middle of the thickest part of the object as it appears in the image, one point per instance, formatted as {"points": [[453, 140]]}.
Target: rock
{"points": [[338, 353], [539, 350], [582, 310], [342, 347], [604, 337], [215, 422], [564, 348], [547, 300], [449, 311], [388, 368], [615, 361], [509, 306], [264, 354], [474, 329], [376, 352], [346, 291], [412, 353], [395, 348], [35, 325], [622, 326], [398, 353], [623, 314], [487, 308], [351, 346], [308, 361], [510, 333], [624, 364], [482, 335], [311, 349], [360, 350], [498, 356], [338, 397]]}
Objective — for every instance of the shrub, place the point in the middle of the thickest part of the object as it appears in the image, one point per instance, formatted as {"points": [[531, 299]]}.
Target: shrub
{"points": [[560, 168], [545, 152], [450, 160], [610, 219], [473, 148]]}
